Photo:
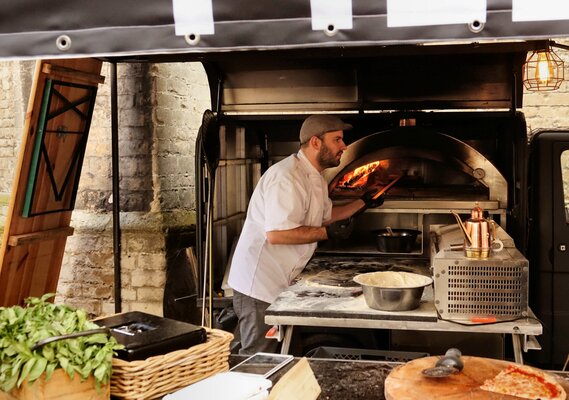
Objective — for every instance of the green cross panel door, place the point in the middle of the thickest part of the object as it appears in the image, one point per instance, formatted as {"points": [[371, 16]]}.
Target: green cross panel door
{"points": [[46, 179]]}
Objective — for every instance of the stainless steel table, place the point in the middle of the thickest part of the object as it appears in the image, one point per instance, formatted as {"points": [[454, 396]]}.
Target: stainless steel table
{"points": [[313, 302]]}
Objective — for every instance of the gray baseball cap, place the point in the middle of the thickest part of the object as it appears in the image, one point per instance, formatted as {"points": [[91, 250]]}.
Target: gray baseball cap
{"points": [[319, 124]]}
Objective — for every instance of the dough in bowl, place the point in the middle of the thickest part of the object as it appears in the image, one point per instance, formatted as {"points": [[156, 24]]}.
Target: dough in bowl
{"points": [[393, 279]]}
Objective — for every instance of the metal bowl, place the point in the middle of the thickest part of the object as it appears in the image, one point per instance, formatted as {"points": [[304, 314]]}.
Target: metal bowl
{"points": [[396, 240], [393, 291]]}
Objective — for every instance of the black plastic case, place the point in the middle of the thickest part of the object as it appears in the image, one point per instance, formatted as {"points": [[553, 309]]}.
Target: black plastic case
{"points": [[145, 335]]}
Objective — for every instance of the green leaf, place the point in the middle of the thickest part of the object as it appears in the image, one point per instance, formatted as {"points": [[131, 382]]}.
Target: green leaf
{"points": [[64, 362], [101, 355], [9, 383], [81, 317], [10, 351], [86, 370], [74, 346], [49, 370], [16, 366], [62, 350], [48, 353], [11, 316], [22, 348], [26, 370], [97, 338], [37, 369], [100, 373]]}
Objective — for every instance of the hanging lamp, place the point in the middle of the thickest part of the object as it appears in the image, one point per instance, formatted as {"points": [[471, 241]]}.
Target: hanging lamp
{"points": [[543, 71]]}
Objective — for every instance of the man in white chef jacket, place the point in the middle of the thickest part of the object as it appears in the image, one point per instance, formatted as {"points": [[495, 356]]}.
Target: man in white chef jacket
{"points": [[289, 212]]}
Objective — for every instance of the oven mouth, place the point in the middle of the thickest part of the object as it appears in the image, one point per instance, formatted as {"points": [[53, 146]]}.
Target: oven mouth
{"points": [[434, 166], [422, 178]]}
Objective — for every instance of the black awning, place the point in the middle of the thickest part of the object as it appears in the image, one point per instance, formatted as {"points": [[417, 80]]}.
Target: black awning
{"points": [[115, 28]]}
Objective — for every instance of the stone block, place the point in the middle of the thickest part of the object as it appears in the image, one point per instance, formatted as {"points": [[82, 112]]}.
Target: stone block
{"points": [[99, 291], [149, 295], [148, 278], [107, 309], [149, 242], [149, 261], [128, 294], [154, 308]]}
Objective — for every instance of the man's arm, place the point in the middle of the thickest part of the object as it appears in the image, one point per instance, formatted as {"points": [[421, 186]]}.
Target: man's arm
{"points": [[300, 235], [310, 234], [345, 211]]}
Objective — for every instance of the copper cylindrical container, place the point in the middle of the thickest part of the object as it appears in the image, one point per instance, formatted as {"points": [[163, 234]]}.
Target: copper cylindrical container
{"points": [[480, 234]]}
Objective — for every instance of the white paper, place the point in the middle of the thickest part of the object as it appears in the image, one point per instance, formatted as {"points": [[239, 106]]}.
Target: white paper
{"points": [[434, 12], [542, 10], [225, 386], [336, 13], [193, 17]]}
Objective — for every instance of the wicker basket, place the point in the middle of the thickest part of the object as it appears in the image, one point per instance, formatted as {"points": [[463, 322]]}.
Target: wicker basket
{"points": [[160, 375]]}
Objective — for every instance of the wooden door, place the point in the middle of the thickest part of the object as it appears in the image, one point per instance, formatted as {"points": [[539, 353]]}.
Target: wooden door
{"points": [[46, 178]]}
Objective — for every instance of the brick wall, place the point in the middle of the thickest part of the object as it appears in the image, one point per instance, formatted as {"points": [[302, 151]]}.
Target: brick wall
{"points": [[15, 82], [160, 109]]}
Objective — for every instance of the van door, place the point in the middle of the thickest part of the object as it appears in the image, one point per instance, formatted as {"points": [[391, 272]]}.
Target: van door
{"points": [[549, 243]]}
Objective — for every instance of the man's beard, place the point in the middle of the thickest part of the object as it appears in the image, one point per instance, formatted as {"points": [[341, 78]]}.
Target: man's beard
{"points": [[326, 159]]}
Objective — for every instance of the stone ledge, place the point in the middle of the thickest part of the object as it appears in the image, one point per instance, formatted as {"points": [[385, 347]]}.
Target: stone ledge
{"points": [[83, 220]]}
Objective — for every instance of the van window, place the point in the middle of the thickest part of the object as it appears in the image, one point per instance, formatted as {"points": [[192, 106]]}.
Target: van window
{"points": [[565, 178]]}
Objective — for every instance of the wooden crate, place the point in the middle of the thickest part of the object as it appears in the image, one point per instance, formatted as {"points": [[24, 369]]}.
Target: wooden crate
{"points": [[61, 387]]}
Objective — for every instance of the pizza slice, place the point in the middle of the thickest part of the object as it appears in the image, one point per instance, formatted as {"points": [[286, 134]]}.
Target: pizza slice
{"points": [[525, 382]]}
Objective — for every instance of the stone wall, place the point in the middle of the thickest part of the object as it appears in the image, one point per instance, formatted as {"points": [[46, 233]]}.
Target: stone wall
{"points": [[15, 83], [160, 109]]}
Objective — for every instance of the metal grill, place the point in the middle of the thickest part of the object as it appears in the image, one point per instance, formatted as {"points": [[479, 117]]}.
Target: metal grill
{"points": [[495, 287], [480, 289]]}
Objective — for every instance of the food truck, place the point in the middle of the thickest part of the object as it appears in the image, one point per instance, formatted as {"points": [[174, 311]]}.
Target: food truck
{"points": [[434, 93]]}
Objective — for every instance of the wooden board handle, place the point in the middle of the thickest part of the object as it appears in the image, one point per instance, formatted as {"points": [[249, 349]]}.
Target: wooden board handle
{"points": [[32, 237]]}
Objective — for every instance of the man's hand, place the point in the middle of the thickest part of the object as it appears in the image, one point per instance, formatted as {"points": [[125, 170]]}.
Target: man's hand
{"points": [[340, 229], [370, 202]]}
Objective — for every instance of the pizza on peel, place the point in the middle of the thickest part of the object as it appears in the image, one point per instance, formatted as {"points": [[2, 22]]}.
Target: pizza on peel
{"points": [[525, 382]]}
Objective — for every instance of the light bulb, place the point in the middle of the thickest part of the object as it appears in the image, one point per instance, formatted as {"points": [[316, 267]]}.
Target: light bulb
{"points": [[544, 71]]}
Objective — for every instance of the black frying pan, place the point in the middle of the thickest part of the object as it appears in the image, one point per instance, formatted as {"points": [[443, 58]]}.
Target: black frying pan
{"points": [[396, 240]]}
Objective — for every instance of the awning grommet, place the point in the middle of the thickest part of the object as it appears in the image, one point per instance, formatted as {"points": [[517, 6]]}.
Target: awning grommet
{"points": [[476, 26], [63, 42], [192, 38], [330, 30]]}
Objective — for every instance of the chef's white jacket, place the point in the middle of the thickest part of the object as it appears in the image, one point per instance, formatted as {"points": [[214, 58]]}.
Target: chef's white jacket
{"points": [[290, 194]]}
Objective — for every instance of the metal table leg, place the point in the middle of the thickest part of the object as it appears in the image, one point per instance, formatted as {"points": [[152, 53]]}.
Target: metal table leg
{"points": [[518, 356], [287, 338]]}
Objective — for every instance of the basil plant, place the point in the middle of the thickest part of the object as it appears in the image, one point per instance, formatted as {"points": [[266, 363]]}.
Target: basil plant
{"points": [[22, 327]]}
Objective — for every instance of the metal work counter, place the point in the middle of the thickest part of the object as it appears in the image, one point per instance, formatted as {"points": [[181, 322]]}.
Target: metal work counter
{"points": [[324, 295]]}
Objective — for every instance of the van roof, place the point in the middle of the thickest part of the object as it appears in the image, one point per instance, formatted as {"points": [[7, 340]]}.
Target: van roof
{"points": [[192, 29]]}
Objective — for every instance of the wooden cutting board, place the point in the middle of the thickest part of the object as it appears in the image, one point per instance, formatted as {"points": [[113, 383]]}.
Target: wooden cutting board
{"points": [[408, 382]]}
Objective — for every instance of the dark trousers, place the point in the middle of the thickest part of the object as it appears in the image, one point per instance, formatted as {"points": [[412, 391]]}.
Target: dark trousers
{"points": [[251, 326]]}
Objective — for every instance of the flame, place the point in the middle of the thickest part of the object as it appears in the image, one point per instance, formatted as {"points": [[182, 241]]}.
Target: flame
{"points": [[359, 176]]}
